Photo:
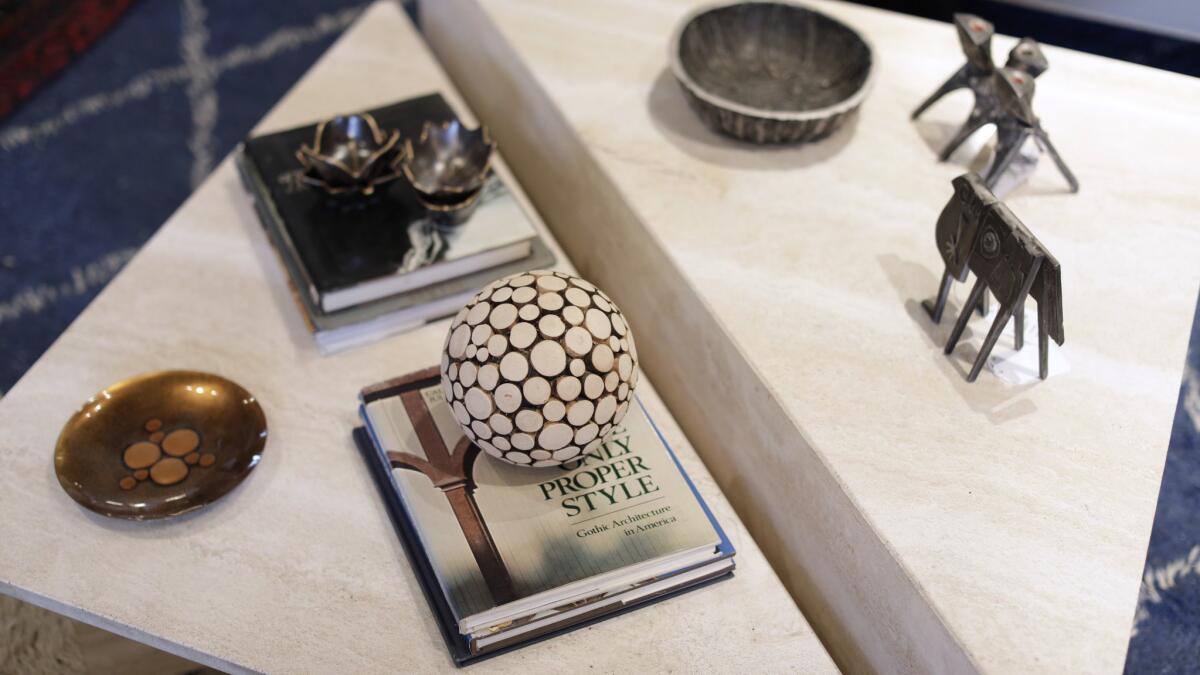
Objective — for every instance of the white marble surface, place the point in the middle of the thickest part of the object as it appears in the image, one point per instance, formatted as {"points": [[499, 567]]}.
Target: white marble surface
{"points": [[923, 523], [298, 569]]}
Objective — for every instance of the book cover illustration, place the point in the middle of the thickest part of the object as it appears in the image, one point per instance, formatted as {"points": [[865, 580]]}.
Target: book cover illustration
{"points": [[497, 534]]}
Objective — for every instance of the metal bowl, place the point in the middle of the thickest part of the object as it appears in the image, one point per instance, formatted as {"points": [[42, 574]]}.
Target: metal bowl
{"points": [[448, 163], [771, 72], [350, 155]]}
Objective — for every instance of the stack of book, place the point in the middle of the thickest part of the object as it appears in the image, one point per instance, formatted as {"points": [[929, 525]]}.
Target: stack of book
{"points": [[509, 555], [360, 271]]}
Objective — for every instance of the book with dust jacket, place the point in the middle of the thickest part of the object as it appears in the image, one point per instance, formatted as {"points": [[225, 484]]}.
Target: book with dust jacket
{"points": [[619, 523]]}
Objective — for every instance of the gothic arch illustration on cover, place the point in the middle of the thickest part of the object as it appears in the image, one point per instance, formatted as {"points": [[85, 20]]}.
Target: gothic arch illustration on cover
{"points": [[451, 472]]}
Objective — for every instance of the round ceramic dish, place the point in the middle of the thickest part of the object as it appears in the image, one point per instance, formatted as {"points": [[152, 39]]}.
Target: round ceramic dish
{"points": [[771, 72], [160, 444]]}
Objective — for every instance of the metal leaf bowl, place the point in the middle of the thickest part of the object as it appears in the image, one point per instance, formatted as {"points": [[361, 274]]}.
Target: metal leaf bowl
{"points": [[771, 72], [448, 163], [350, 155]]}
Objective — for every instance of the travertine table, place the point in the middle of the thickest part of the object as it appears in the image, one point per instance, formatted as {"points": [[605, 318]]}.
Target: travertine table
{"points": [[298, 570], [924, 524]]}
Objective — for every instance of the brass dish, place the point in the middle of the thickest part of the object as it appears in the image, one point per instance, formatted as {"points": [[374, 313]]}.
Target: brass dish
{"points": [[160, 444]]}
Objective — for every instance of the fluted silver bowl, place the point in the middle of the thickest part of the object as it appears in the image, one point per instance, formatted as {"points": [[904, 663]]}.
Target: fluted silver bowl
{"points": [[771, 72]]}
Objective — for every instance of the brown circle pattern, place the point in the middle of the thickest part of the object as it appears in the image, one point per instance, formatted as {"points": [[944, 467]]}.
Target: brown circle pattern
{"points": [[538, 367], [159, 458]]}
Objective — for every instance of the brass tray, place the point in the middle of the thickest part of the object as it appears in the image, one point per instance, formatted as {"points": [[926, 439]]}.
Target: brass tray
{"points": [[160, 444]]}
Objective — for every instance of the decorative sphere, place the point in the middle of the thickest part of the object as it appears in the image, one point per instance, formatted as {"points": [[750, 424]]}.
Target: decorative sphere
{"points": [[539, 367]]}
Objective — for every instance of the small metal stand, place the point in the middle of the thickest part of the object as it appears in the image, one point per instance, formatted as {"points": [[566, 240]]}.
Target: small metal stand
{"points": [[978, 233], [1003, 97]]}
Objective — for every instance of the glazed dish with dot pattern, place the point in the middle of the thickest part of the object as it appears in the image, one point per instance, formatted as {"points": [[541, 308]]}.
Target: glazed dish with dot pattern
{"points": [[771, 72], [160, 444], [539, 367]]}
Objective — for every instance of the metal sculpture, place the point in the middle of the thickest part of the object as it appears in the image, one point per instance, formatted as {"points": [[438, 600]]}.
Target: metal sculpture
{"points": [[1003, 97], [978, 233], [350, 156]]}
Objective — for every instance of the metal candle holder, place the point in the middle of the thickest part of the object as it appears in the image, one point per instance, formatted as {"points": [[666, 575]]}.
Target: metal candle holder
{"points": [[447, 167], [1003, 96], [350, 156]]}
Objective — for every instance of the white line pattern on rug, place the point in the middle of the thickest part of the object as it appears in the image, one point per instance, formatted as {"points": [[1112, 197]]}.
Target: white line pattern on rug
{"points": [[80, 279], [201, 87], [1191, 395], [1158, 580], [1163, 579], [159, 79]]}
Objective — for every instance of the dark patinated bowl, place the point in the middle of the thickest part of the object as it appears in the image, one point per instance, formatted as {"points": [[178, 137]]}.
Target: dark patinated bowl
{"points": [[452, 211], [448, 163], [771, 72], [350, 156]]}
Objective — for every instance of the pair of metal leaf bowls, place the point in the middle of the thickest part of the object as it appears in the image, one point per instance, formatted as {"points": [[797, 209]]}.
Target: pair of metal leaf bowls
{"points": [[771, 72], [351, 156]]}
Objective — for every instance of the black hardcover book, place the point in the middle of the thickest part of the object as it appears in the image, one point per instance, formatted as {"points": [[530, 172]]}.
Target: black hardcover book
{"points": [[347, 256]]}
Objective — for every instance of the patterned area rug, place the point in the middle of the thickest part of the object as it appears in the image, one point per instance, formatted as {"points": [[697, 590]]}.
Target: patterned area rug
{"points": [[38, 38], [1166, 630], [100, 156]]}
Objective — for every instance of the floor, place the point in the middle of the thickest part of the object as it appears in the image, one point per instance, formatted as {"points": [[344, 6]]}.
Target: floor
{"points": [[35, 640], [105, 152]]}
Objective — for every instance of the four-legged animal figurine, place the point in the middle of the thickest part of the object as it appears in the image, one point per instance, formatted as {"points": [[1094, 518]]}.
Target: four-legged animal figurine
{"points": [[977, 233], [1003, 97]]}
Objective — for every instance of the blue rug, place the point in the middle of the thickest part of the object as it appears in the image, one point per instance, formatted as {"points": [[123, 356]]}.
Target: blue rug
{"points": [[103, 154], [1166, 631], [100, 156]]}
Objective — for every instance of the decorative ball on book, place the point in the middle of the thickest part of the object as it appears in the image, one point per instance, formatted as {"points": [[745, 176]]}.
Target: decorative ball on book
{"points": [[538, 367]]}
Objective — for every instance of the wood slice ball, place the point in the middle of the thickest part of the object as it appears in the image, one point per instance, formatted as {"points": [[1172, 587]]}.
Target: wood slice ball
{"points": [[539, 367]]}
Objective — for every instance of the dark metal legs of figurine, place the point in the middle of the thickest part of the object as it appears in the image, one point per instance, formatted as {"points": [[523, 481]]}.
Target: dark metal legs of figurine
{"points": [[974, 123], [959, 80], [936, 307], [978, 293], [1043, 141]]}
